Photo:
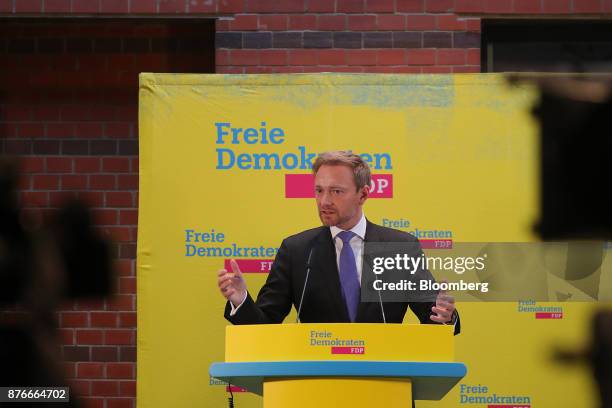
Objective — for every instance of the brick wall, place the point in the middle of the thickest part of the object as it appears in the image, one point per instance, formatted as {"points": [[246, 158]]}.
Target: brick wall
{"points": [[68, 106]]}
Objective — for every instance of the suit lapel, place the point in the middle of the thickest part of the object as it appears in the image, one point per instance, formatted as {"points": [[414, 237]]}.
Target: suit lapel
{"points": [[328, 266]]}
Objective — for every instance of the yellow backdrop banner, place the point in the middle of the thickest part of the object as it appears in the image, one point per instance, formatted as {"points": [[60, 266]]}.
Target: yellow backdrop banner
{"points": [[225, 173]]}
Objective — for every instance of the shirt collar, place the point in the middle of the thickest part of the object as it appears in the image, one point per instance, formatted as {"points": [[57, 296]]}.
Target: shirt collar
{"points": [[359, 229]]}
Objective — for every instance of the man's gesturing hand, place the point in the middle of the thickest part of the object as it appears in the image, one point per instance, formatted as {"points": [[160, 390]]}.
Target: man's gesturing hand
{"points": [[232, 284], [444, 308]]}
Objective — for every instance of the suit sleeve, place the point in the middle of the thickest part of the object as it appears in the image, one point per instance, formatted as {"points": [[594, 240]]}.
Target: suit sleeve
{"points": [[422, 310], [274, 301]]}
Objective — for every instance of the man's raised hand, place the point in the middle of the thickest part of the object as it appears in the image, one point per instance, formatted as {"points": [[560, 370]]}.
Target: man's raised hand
{"points": [[232, 284]]}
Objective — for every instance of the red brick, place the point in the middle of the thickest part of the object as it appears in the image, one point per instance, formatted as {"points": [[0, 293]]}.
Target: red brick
{"points": [[119, 403], [87, 165], [391, 22], [332, 57], [69, 369], [244, 22], [272, 22], [121, 302], [118, 234], [499, 6], [66, 336], [473, 56], [45, 112], [34, 199], [380, 6], [391, 57], [85, 6], [125, 267], [473, 24], [127, 388], [89, 337], [275, 6], [410, 6], [73, 319], [102, 182], [232, 6], [127, 285], [90, 370], [74, 182], [439, 6], [128, 320], [31, 130], [526, 6], [465, 69], [57, 6], [587, 6], [423, 56], [302, 22], [557, 6], [119, 199], [273, 57], [303, 57], [28, 6], [104, 388], [127, 182], [118, 337], [326, 22], [436, 70], [6, 6], [89, 305], [118, 130], [105, 353], [45, 182], [450, 22], [606, 6], [202, 6], [128, 217], [113, 6], [350, 6], [92, 402], [103, 319], [120, 370], [451, 56], [420, 22], [105, 217], [362, 22], [80, 387], [321, 6], [244, 57], [469, 6], [31, 165], [361, 57], [115, 164], [171, 6]]}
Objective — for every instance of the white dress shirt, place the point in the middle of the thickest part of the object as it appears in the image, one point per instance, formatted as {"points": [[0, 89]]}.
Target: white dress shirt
{"points": [[356, 243]]}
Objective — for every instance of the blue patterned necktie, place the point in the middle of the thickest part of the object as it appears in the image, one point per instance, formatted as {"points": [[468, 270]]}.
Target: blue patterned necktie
{"points": [[348, 275]]}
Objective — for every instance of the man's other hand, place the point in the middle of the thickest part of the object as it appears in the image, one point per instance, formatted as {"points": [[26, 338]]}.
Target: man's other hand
{"points": [[232, 284], [444, 308]]}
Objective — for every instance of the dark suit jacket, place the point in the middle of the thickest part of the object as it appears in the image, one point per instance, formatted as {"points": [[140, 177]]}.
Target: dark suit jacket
{"points": [[323, 301]]}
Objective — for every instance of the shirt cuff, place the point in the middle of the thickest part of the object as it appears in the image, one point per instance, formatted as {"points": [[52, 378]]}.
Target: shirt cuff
{"points": [[235, 308], [453, 319]]}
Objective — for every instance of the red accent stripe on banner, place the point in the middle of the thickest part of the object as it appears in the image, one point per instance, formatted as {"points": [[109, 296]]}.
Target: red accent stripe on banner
{"points": [[302, 186], [348, 350], [251, 265], [542, 315], [235, 388], [508, 406], [436, 243]]}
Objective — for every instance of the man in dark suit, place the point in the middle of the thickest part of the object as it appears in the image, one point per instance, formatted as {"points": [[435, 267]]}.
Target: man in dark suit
{"points": [[334, 253]]}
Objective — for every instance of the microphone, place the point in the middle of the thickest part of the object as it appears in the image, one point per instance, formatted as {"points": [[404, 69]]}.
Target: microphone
{"points": [[297, 319]]}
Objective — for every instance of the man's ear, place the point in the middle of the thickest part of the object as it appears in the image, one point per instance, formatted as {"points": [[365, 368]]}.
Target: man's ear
{"points": [[364, 194]]}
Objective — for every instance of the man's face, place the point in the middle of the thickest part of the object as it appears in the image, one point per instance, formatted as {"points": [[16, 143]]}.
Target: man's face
{"points": [[338, 201]]}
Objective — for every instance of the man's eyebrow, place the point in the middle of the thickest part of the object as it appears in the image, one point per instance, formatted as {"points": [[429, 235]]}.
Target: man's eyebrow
{"points": [[332, 186]]}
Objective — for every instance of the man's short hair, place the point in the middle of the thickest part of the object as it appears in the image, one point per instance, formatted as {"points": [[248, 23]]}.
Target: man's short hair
{"points": [[361, 170]]}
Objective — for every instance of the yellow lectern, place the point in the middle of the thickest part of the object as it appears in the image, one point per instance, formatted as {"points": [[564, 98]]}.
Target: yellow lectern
{"points": [[335, 365]]}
